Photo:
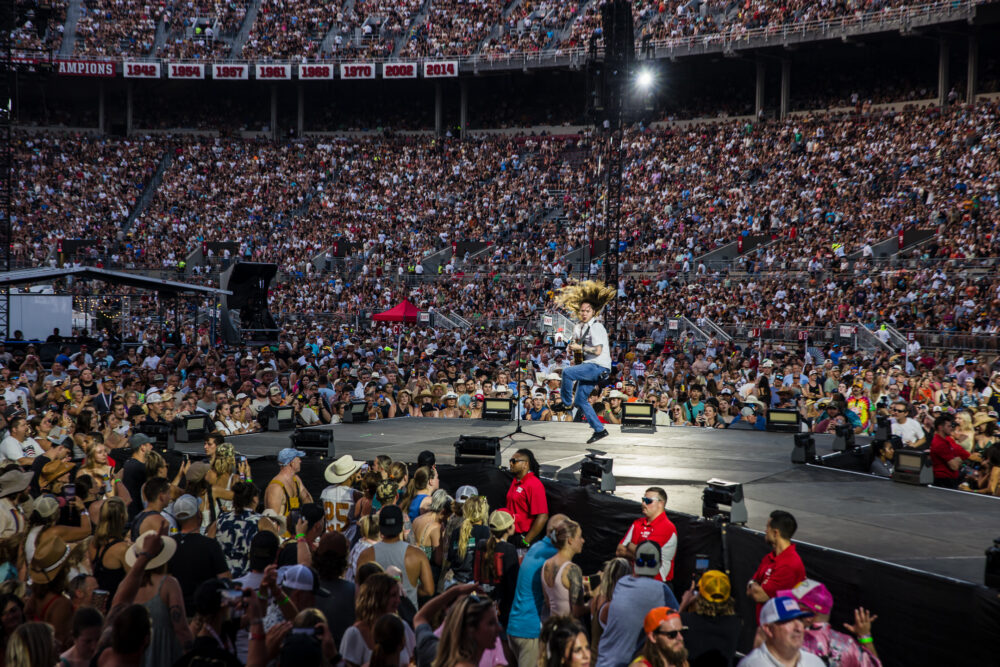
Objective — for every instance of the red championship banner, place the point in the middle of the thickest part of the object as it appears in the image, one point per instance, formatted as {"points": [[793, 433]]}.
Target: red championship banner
{"points": [[274, 72], [185, 71], [316, 71], [102, 68], [139, 70], [399, 71], [440, 69], [231, 72], [357, 71]]}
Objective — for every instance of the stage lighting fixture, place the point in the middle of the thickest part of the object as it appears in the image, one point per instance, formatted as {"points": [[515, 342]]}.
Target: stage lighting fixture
{"points": [[498, 409], [315, 441], [356, 412], [805, 448], [883, 428], [719, 495], [638, 418], [192, 428], [912, 466], [782, 420], [992, 575], [645, 79], [844, 438], [595, 470], [476, 448]]}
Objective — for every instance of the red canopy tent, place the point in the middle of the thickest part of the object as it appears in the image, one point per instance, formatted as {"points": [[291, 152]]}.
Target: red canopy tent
{"points": [[404, 312]]}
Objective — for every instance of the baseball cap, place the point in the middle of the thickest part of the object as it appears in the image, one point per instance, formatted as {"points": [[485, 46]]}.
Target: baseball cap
{"points": [[186, 507], [263, 549], [465, 492], [714, 586], [812, 596], [656, 616], [139, 439], [197, 471], [780, 609], [289, 454], [274, 390], [501, 520], [647, 559], [300, 578], [767, 363], [390, 520], [45, 506]]}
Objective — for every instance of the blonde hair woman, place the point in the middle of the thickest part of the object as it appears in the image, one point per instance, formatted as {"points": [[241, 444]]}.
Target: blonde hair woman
{"points": [[965, 434], [107, 549], [462, 543]]}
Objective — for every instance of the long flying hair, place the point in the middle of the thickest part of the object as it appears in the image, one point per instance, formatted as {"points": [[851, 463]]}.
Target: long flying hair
{"points": [[593, 292]]}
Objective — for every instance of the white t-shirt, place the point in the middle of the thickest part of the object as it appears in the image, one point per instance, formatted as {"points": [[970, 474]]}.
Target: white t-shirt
{"points": [[761, 657], [911, 431], [338, 510], [354, 649], [593, 334], [12, 450]]}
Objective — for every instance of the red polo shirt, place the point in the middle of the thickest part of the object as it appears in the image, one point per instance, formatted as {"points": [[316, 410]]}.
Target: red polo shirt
{"points": [[525, 501], [778, 573], [944, 449], [662, 531]]}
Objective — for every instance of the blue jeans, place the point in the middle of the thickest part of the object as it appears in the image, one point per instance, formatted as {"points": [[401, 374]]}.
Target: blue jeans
{"points": [[586, 377]]}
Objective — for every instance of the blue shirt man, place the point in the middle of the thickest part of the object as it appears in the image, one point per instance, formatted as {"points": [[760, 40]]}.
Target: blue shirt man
{"points": [[526, 612]]}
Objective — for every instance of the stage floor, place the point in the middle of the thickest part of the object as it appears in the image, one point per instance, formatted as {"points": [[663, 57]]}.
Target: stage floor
{"points": [[933, 530]]}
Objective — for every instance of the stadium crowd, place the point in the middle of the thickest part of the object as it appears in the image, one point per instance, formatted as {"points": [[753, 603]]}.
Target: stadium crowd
{"points": [[447, 28]]}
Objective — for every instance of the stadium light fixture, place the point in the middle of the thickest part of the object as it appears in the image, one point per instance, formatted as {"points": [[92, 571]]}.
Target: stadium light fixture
{"points": [[645, 79]]}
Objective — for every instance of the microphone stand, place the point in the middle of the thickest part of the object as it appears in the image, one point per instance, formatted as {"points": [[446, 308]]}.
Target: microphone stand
{"points": [[517, 399]]}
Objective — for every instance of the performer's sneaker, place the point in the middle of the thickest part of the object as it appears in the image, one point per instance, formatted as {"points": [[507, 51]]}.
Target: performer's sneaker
{"points": [[597, 436]]}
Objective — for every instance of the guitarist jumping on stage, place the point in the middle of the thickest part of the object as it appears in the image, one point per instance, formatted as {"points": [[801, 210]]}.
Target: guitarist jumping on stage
{"points": [[591, 348]]}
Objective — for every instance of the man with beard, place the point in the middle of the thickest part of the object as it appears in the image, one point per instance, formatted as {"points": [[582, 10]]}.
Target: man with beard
{"points": [[664, 645]]}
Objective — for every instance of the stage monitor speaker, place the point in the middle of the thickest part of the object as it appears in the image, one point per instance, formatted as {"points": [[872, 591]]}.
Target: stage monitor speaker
{"points": [[638, 418], [912, 466], [475, 448], [498, 409], [193, 427], [315, 441], [781, 420], [356, 412]]}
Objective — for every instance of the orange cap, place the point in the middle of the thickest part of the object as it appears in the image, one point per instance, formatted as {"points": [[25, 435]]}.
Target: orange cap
{"points": [[657, 616]]}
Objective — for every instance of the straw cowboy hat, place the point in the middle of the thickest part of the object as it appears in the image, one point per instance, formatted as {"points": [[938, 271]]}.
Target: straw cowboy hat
{"points": [[49, 560], [166, 553], [341, 469], [982, 418]]}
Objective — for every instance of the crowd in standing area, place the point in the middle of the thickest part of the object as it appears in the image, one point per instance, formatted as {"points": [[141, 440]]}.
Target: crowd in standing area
{"points": [[115, 556]]}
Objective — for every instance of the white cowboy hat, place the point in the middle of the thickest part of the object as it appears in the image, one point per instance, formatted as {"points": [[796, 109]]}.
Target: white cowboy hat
{"points": [[341, 469]]}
